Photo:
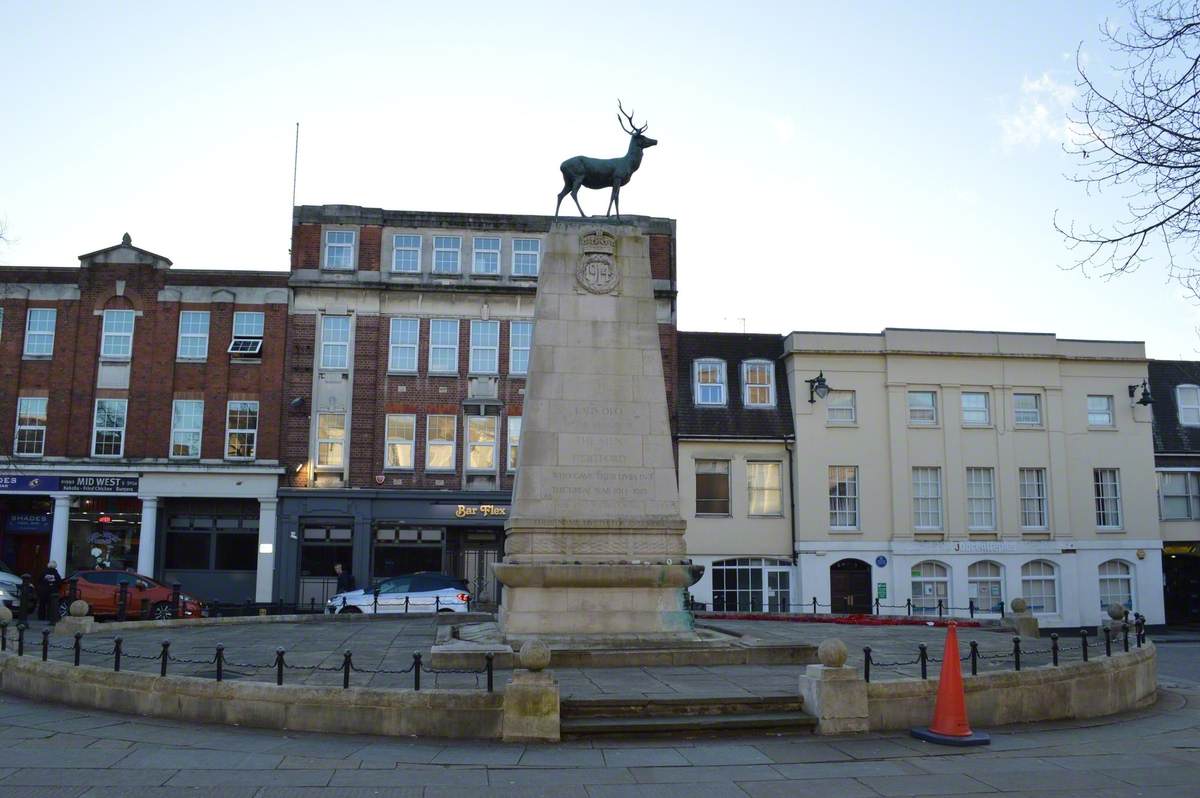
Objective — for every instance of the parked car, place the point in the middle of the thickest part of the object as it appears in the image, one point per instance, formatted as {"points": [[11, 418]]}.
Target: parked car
{"points": [[10, 587], [146, 599], [411, 593]]}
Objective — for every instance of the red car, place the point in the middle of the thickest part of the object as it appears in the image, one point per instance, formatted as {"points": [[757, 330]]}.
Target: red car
{"points": [[146, 599]]}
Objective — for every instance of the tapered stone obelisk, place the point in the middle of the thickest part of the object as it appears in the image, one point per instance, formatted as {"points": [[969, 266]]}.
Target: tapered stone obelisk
{"points": [[594, 547]]}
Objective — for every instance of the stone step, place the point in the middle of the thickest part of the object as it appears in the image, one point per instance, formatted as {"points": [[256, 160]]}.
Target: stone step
{"points": [[679, 707], [698, 725]]}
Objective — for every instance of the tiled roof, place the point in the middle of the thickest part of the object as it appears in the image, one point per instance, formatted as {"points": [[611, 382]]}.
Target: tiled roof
{"points": [[1169, 434], [733, 420]]}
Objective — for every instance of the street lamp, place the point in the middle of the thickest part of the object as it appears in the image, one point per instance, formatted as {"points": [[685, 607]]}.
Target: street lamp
{"points": [[1146, 398], [818, 387]]}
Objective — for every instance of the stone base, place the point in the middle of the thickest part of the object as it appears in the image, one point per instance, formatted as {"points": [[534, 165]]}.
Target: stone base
{"points": [[837, 697], [70, 625], [531, 708], [1026, 625]]}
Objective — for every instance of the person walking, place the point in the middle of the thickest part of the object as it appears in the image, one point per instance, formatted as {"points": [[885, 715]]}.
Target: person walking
{"points": [[47, 592], [345, 579]]}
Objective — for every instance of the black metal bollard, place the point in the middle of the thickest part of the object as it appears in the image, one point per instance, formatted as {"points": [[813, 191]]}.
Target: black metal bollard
{"points": [[487, 666], [164, 656], [908, 606], [876, 606], [312, 604], [346, 670], [1125, 635], [1054, 648], [78, 647], [406, 605], [279, 652], [1083, 643], [375, 599], [1016, 653], [437, 603], [46, 644], [26, 593], [117, 654], [866, 663], [923, 656], [3, 635], [176, 604], [1140, 623], [971, 606], [122, 599], [21, 639], [939, 608], [219, 659], [974, 658], [416, 670], [1107, 642], [814, 612], [1001, 610]]}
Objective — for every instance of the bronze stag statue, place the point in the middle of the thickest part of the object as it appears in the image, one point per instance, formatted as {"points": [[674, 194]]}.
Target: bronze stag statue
{"points": [[605, 172]]}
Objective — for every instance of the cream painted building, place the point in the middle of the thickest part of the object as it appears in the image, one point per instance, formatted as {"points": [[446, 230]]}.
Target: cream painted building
{"points": [[973, 467]]}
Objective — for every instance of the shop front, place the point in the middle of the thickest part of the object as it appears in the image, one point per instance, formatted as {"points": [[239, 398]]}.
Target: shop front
{"points": [[374, 535]]}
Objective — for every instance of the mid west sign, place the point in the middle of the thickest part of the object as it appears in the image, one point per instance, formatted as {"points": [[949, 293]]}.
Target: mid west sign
{"points": [[55, 484]]}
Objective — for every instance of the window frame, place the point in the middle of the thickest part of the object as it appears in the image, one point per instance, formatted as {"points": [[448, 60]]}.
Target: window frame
{"points": [[476, 251], [537, 257], [728, 512], [330, 346], [397, 248], [107, 335], [987, 409], [1037, 408], [1101, 499], [1053, 578], [1111, 410], [750, 488], [1190, 495], [192, 336], [913, 421], [513, 449], [398, 349], [96, 429], [747, 386], [1181, 405], [830, 407], [472, 445], [723, 384], [928, 605], [990, 498], [973, 582], [327, 245], [390, 440], [329, 443], [1043, 500], [457, 250], [252, 432], [851, 499], [255, 341], [32, 335], [513, 349], [451, 442], [176, 430], [433, 325], [18, 427], [482, 349], [938, 499], [1128, 577]]}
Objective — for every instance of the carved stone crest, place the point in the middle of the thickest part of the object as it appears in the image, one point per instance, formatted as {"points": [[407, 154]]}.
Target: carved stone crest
{"points": [[597, 272]]}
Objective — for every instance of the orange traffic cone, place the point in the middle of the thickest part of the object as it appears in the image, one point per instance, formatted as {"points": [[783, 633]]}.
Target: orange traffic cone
{"points": [[950, 725]]}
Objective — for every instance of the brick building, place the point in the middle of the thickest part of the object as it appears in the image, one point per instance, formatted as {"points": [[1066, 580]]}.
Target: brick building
{"points": [[144, 405], [408, 346]]}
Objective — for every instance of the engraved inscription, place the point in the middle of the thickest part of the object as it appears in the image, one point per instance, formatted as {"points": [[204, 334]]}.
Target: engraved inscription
{"points": [[600, 485], [598, 274]]}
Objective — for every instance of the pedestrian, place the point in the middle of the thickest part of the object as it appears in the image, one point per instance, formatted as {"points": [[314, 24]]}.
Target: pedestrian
{"points": [[47, 592], [345, 580]]}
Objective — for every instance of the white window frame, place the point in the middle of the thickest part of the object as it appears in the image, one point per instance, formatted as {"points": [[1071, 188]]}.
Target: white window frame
{"points": [[246, 431], [401, 350], [705, 363], [833, 408], [987, 409], [477, 250], [439, 247], [514, 442], [1036, 410], [394, 439], [328, 247], [1042, 498], [493, 446], [765, 490], [938, 577], [451, 442], [1053, 578], [1190, 495], [843, 502], [36, 339], [927, 505], [108, 335], [247, 338], [177, 430], [37, 430], [715, 468], [1188, 408], [1109, 411], [328, 347], [193, 338], [481, 350], [434, 346], [747, 386], [974, 581], [514, 350], [97, 429], [397, 248], [1127, 577], [919, 420], [517, 243], [981, 498], [327, 444], [1106, 489]]}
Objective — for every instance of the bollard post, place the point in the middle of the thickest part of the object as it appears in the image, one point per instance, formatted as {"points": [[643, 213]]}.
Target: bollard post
{"points": [[923, 655], [279, 652], [815, 606], [939, 608], [437, 603], [78, 647], [176, 607], [375, 599], [971, 606], [1107, 642], [876, 606], [1001, 610], [974, 658], [487, 665], [1054, 648], [406, 605], [1141, 630], [21, 640], [312, 604], [122, 599], [3, 635], [23, 604], [346, 669], [219, 659], [416, 670], [343, 603], [165, 655], [117, 654], [1125, 634], [1083, 643], [866, 663], [908, 606], [1016, 653], [46, 644]]}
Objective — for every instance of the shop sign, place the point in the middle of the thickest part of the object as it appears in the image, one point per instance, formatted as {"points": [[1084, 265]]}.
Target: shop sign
{"points": [[881, 590], [485, 510], [98, 484], [28, 522], [37, 484]]}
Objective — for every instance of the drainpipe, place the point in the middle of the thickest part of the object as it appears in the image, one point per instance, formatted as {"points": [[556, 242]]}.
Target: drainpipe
{"points": [[788, 443]]}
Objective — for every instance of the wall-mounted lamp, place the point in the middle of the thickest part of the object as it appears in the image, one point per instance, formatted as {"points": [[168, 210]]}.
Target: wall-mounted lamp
{"points": [[817, 387], [1146, 398]]}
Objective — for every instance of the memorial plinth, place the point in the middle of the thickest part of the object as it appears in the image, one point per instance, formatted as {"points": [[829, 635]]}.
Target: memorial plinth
{"points": [[594, 545]]}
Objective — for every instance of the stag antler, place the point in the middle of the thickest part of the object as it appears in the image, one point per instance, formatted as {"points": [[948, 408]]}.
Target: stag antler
{"points": [[635, 130]]}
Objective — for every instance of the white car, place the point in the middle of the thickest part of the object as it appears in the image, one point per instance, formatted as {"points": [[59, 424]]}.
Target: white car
{"points": [[412, 593]]}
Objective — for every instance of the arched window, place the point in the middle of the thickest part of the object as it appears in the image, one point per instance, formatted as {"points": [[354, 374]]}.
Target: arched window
{"points": [[709, 382], [738, 585], [985, 585], [1039, 586], [1116, 584], [930, 582], [1187, 399], [758, 383]]}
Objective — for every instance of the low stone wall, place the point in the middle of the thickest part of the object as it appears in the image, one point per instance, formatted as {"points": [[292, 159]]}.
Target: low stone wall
{"points": [[357, 710], [1103, 686], [311, 617]]}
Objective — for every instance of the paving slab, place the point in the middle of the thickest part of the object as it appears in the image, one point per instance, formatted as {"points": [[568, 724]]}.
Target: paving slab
{"points": [[936, 784]]}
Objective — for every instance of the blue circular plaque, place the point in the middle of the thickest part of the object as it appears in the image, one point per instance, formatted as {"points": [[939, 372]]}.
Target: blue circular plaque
{"points": [[881, 561]]}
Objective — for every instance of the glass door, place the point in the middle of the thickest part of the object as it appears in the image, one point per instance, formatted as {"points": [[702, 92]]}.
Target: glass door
{"points": [[779, 590]]}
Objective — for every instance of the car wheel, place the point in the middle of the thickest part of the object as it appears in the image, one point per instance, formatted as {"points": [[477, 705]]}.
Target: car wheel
{"points": [[162, 611], [64, 608], [350, 608]]}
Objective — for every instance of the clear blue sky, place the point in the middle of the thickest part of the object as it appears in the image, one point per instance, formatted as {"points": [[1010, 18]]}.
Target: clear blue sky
{"points": [[831, 166]]}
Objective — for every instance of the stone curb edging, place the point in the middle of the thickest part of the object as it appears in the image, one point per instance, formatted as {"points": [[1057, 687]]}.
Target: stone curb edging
{"points": [[235, 620]]}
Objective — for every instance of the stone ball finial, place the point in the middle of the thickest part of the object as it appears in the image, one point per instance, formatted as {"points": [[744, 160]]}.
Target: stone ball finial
{"points": [[534, 655], [1117, 611], [78, 609], [832, 653], [5, 614], [1019, 605], [126, 240]]}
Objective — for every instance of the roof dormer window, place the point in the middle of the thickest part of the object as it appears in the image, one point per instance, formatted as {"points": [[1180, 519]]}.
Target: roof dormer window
{"points": [[339, 250], [709, 382], [758, 383], [1187, 399]]}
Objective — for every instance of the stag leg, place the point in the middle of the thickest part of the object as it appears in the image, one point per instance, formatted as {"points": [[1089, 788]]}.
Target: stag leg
{"points": [[575, 196], [615, 200], [566, 190]]}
